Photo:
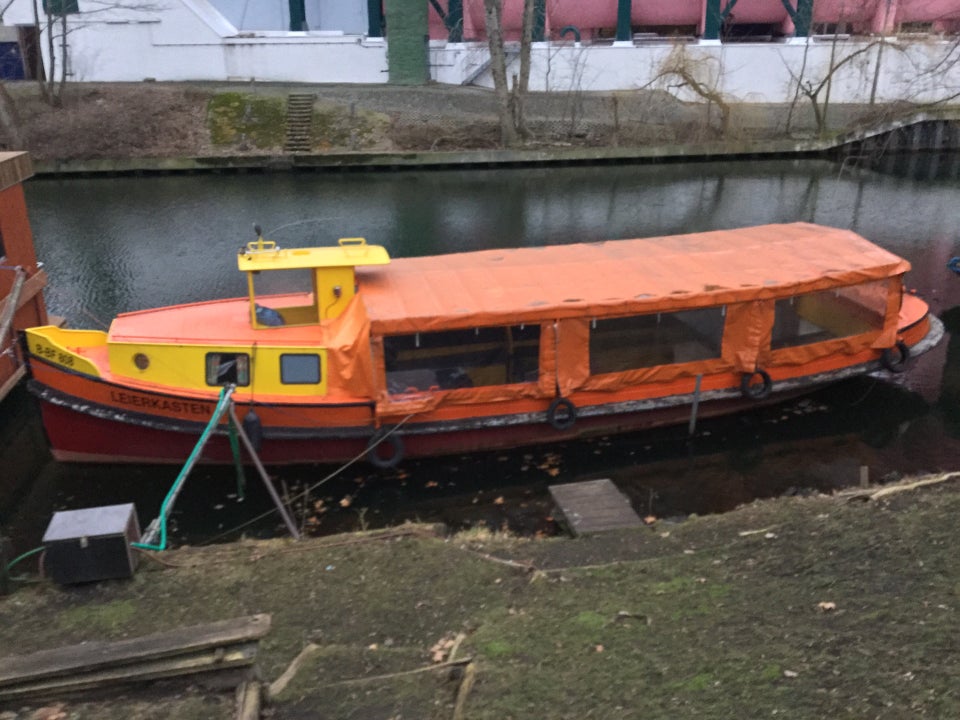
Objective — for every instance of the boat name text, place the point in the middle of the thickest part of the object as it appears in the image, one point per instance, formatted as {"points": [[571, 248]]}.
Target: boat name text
{"points": [[53, 355], [155, 403]]}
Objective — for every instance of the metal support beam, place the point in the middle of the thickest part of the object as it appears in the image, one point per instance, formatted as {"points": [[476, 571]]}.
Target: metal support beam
{"points": [[298, 16], [539, 20], [802, 16], [716, 14], [374, 18], [624, 31], [454, 21]]}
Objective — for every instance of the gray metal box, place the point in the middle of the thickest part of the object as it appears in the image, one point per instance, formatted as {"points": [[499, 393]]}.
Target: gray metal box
{"points": [[91, 544]]}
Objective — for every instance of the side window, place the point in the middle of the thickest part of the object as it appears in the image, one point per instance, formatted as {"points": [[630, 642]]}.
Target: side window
{"points": [[641, 341], [462, 358], [843, 312], [299, 369], [225, 368]]}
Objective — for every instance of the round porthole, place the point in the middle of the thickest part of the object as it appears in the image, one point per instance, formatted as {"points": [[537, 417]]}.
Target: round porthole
{"points": [[141, 361]]}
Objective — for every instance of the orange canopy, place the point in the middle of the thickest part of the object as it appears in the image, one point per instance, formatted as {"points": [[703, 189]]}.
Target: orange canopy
{"points": [[618, 276]]}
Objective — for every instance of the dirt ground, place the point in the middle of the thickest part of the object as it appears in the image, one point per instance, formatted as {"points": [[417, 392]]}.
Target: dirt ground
{"points": [[830, 606]]}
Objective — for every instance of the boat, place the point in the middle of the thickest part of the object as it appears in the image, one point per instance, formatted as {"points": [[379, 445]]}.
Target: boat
{"points": [[22, 278], [342, 352]]}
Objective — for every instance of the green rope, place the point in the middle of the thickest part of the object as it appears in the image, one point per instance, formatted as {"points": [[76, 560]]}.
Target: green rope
{"points": [[222, 405], [237, 461]]}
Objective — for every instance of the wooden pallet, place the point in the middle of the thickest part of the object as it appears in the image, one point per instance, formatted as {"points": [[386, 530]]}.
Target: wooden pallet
{"points": [[594, 506], [215, 646]]}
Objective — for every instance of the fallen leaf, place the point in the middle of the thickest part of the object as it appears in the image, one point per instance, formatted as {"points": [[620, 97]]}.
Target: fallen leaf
{"points": [[498, 501], [553, 472], [827, 606], [346, 501], [432, 484], [790, 673], [649, 519], [599, 648]]}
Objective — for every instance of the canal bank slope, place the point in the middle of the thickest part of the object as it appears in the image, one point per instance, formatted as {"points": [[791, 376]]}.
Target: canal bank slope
{"points": [[825, 606], [131, 127]]}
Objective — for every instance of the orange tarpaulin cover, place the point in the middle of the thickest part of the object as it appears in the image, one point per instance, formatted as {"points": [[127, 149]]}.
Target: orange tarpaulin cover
{"points": [[617, 277], [564, 287]]}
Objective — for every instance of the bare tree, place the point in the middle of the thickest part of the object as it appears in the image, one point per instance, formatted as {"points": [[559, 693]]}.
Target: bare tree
{"points": [[699, 75], [56, 28], [510, 97], [814, 89]]}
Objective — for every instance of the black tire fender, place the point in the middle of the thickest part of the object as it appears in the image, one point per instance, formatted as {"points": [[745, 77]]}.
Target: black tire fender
{"points": [[753, 391], [394, 444], [562, 413], [895, 359]]}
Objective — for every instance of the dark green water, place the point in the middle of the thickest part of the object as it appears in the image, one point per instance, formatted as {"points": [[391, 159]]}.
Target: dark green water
{"points": [[118, 244]]}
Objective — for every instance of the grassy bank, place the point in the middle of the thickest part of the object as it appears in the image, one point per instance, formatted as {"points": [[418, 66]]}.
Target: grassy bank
{"points": [[123, 122], [804, 607]]}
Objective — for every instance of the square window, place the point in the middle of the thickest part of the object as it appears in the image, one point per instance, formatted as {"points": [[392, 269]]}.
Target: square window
{"points": [[228, 369], [299, 369]]}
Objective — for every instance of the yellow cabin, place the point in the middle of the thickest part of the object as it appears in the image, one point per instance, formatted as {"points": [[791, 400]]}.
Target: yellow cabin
{"points": [[305, 285]]}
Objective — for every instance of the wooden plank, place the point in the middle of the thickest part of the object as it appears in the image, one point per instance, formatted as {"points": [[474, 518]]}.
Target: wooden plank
{"points": [[216, 659], [88, 657], [15, 167], [594, 506], [248, 700], [7, 387]]}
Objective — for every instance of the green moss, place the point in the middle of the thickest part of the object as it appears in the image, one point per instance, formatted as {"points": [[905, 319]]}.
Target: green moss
{"points": [[771, 672], [496, 649], [99, 618], [245, 118], [698, 682], [591, 620]]}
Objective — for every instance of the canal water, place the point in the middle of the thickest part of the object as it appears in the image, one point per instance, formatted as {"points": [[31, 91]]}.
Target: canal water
{"points": [[117, 244]]}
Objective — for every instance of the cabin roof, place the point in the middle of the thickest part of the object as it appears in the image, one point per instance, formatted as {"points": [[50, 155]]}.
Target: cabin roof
{"points": [[349, 253], [619, 276]]}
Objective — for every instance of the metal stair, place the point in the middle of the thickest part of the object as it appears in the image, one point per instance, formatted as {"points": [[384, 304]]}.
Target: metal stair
{"points": [[299, 121]]}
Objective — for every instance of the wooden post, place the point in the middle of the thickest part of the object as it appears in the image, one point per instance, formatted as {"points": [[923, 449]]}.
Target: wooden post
{"points": [[692, 428]]}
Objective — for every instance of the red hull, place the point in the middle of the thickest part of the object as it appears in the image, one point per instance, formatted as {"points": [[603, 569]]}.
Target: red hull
{"points": [[80, 437]]}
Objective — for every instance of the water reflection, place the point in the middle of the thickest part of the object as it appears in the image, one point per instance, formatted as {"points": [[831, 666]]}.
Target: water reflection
{"points": [[118, 244]]}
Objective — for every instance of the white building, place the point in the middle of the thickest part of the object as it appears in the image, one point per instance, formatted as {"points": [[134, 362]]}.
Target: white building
{"points": [[181, 40]]}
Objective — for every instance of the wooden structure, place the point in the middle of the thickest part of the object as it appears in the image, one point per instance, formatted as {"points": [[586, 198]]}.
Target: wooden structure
{"points": [[21, 278], [594, 506], [217, 646]]}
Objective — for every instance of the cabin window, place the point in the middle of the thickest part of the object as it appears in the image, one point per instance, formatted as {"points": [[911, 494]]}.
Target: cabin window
{"points": [[641, 341], [819, 316], [462, 358], [284, 297], [225, 368], [299, 369]]}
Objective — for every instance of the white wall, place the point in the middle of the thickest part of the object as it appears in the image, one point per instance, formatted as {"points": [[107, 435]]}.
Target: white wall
{"points": [[191, 40], [918, 71]]}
